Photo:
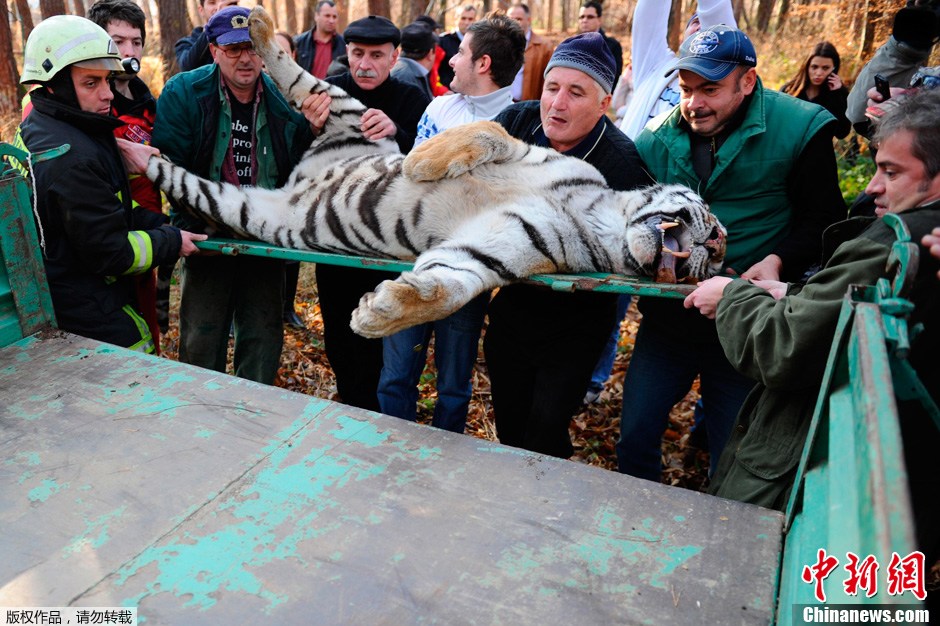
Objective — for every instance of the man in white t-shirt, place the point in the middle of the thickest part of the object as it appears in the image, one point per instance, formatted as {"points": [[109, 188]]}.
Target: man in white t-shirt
{"points": [[654, 91], [485, 64]]}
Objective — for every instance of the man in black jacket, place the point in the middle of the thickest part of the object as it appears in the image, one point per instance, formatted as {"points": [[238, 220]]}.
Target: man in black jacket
{"points": [[320, 45], [450, 42], [541, 345], [394, 108], [94, 240], [193, 51], [589, 21]]}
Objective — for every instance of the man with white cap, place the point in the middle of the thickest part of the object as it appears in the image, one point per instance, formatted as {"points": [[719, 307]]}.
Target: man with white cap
{"points": [[541, 345], [764, 163], [94, 240]]}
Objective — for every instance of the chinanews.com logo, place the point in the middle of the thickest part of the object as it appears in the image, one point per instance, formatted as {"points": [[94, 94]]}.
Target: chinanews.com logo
{"points": [[902, 578]]}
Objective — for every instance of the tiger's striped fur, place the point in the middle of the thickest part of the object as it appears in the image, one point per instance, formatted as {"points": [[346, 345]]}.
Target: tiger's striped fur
{"points": [[473, 207]]}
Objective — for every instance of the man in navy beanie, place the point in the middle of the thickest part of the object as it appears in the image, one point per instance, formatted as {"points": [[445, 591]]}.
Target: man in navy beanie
{"points": [[541, 345]]}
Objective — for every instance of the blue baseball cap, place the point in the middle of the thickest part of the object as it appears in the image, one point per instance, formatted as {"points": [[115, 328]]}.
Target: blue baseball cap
{"points": [[229, 26], [715, 52]]}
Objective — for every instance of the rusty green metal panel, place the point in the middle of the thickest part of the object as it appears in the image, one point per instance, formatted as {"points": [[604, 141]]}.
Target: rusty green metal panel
{"points": [[609, 283], [851, 485], [25, 303]]}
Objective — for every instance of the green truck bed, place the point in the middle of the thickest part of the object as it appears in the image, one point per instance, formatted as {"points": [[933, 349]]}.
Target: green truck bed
{"points": [[130, 480]]}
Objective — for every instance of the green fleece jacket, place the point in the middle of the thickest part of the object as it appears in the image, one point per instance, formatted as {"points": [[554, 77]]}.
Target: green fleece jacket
{"points": [[784, 345], [194, 125]]}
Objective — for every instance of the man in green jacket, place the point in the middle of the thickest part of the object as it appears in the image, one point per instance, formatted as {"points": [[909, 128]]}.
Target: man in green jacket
{"points": [[780, 334], [764, 163], [227, 121]]}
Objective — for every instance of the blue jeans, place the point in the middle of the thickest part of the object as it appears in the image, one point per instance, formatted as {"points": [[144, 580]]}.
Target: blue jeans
{"points": [[662, 369], [606, 362], [456, 345]]}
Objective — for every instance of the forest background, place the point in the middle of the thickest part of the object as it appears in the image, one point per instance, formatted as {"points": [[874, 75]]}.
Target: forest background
{"points": [[784, 32]]}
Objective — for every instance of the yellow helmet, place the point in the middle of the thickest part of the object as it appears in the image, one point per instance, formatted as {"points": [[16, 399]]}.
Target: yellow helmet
{"points": [[64, 40]]}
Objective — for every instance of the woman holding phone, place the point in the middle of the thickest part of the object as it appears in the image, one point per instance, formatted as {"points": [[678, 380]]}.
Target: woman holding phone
{"points": [[818, 82]]}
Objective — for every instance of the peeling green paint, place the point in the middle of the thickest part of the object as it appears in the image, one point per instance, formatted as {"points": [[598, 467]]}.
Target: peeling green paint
{"points": [[205, 433], [262, 522], [679, 518], [96, 533], [49, 487]]}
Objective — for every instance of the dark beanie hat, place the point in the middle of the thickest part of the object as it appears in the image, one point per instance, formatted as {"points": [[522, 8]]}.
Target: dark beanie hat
{"points": [[588, 53], [418, 38], [372, 30]]}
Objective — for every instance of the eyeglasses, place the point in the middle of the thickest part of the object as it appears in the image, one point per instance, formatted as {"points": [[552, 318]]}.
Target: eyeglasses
{"points": [[233, 52]]}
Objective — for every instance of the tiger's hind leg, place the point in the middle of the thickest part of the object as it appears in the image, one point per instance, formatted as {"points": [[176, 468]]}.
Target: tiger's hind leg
{"points": [[458, 150], [492, 250]]}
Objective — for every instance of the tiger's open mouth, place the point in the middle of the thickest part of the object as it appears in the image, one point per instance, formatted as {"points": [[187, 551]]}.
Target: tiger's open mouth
{"points": [[671, 267]]}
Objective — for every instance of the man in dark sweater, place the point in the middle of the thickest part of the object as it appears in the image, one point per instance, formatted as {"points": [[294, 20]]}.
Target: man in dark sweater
{"points": [[193, 51], [394, 109], [541, 345]]}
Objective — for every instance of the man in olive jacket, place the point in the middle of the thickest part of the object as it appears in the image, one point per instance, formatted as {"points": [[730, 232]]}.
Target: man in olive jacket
{"points": [[780, 334], [227, 121]]}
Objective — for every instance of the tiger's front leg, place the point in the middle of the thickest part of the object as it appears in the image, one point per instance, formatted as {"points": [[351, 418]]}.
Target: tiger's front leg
{"points": [[458, 150]]}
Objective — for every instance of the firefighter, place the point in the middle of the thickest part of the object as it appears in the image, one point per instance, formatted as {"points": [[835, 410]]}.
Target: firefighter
{"points": [[94, 239]]}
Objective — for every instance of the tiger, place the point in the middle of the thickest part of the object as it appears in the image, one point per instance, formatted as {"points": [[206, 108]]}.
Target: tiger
{"points": [[472, 207]]}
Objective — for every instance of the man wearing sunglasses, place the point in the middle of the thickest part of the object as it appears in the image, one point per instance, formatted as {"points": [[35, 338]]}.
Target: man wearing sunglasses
{"points": [[228, 122]]}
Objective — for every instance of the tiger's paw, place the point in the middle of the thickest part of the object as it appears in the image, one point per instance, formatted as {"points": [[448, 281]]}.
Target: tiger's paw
{"points": [[395, 306], [457, 151], [260, 28]]}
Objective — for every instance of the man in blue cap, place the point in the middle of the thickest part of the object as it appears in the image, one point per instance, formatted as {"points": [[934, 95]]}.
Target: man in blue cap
{"points": [[227, 121], [541, 345], [765, 165]]}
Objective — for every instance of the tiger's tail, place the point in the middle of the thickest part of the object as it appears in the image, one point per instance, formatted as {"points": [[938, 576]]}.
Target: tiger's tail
{"points": [[227, 209]]}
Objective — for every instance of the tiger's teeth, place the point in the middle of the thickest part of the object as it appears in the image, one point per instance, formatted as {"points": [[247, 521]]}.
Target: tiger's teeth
{"points": [[664, 226], [682, 255]]}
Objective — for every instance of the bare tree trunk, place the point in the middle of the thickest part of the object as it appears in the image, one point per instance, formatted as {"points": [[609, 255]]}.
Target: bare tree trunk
{"points": [[783, 14], [274, 8], [9, 77], [26, 18], [565, 15], [78, 8], [174, 24], [411, 9], [551, 15], [674, 34], [739, 14], [48, 8], [148, 15], [380, 7], [290, 10], [869, 26], [310, 9], [765, 9]]}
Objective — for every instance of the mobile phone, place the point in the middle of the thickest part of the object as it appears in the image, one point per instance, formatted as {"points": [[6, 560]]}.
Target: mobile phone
{"points": [[881, 85]]}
